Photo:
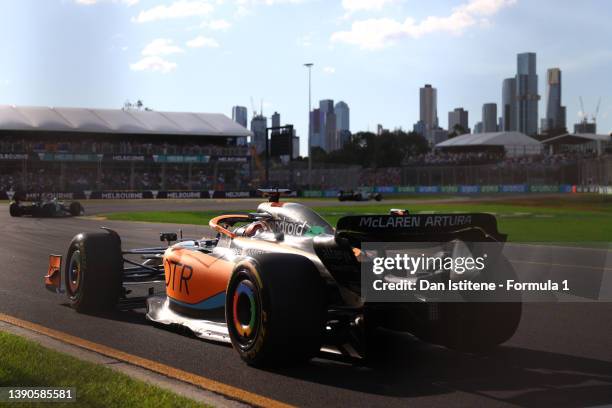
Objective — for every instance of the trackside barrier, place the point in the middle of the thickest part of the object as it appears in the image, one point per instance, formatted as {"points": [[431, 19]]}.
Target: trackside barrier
{"points": [[473, 189], [384, 190]]}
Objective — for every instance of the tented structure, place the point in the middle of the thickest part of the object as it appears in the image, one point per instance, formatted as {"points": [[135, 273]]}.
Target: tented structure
{"points": [[513, 143], [117, 121]]}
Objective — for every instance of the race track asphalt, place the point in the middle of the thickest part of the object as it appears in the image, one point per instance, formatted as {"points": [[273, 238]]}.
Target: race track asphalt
{"points": [[560, 356]]}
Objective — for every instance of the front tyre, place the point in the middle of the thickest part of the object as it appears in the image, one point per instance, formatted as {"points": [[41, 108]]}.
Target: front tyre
{"points": [[76, 209], [93, 271], [275, 310], [15, 210]]}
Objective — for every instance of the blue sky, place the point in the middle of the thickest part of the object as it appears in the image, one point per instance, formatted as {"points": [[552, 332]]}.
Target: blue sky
{"points": [[208, 55]]}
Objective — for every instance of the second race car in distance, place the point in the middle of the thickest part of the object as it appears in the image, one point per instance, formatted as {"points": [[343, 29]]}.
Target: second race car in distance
{"points": [[48, 207], [358, 195]]}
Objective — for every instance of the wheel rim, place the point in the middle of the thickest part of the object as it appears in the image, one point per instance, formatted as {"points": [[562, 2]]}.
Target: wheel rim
{"points": [[74, 272], [245, 312]]}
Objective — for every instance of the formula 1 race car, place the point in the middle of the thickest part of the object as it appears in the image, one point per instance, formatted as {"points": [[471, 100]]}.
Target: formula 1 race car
{"points": [[49, 207], [358, 196], [281, 284]]}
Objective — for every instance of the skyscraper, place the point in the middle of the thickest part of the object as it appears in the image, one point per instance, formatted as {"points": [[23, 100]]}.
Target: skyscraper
{"points": [[239, 115], [555, 113], [342, 112], [327, 131], [315, 120], [489, 117], [458, 118], [527, 94], [259, 125], [296, 146], [508, 106], [276, 121], [428, 98], [343, 132], [331, 135]]}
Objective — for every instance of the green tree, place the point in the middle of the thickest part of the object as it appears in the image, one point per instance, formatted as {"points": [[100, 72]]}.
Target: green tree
{"points": [[458, 130], [370, 150]]}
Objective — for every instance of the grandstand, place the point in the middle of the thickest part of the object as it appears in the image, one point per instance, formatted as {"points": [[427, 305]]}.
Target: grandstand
{"points": [[511, 144], [579, 143], [75, 149]]}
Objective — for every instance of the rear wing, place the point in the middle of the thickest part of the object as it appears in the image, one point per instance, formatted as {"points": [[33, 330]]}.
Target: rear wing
{"points": [[476, 227]]}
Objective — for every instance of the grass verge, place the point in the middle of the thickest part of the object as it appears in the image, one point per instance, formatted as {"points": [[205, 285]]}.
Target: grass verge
{"points": [[24, 363], [581, 219]]}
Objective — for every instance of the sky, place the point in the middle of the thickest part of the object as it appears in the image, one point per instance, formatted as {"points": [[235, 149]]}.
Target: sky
{"points": [[209, 55]]}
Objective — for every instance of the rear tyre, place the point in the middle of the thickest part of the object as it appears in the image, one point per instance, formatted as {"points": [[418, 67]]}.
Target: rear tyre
{"points": [[76, 208], [479, 325], [15, 210], [275, 310], [93, 271]]}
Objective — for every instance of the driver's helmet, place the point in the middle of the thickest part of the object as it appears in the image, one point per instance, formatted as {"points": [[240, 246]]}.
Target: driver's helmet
{"points": [[254, 228]]}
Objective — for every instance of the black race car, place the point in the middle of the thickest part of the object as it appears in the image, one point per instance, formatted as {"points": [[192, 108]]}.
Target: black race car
{"points": [[49, 207], [352, 195]]}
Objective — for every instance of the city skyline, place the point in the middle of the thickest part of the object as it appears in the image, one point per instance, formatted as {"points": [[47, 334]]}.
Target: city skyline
{"points": [[209, 57]]}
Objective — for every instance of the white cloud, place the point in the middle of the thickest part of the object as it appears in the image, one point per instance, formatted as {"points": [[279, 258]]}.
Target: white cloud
{"points": [[364, 5], [92, 2], [201, 41], [153, 54], [329, 70], [178, 9], [244, 7], [218, 25], [376, 33], [161, 46], [155, 64], [268, 2]]}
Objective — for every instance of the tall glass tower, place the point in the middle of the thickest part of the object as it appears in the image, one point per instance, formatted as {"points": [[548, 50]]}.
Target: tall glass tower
{"points": [[527, 94], [555, 113], [508, 106]]}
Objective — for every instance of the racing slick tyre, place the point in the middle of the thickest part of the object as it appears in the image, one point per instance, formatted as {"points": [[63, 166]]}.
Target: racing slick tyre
{"points": [[93, 272], [479, 325], [47, 210], [377, 197], [75, 208], [15, 210], [275, 310]]}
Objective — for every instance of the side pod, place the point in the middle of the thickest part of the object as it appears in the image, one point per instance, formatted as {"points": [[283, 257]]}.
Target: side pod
{"points": [[53, 279]]}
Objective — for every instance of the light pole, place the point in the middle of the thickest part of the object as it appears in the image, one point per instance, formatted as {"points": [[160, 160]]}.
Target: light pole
{"points": [[309, 66]]}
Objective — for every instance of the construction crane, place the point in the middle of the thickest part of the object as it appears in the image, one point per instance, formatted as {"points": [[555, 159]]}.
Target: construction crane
{"points": [[597, 110], [261, 102], [585, 116]]}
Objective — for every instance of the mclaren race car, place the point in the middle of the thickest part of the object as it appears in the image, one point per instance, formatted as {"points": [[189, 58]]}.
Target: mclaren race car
{"points": [[281, 284], [358, 196], [48, 207]]}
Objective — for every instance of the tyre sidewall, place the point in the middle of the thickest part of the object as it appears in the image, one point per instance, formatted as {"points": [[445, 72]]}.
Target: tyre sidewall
{"points": [[100, 272], [292, 309]]}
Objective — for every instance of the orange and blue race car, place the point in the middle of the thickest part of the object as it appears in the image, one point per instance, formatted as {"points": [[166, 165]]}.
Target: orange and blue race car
{"points": [[281, 284]]}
